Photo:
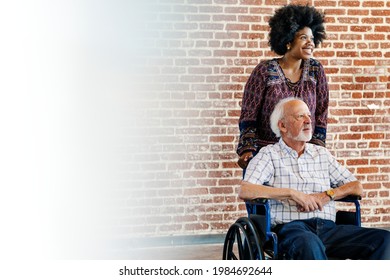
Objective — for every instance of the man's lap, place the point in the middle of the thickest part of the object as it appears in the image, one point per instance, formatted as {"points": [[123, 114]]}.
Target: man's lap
{"points": [[339, 241]]}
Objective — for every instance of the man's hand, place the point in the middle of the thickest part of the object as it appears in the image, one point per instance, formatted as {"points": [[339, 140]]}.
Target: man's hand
{"points": [[309, 202]]}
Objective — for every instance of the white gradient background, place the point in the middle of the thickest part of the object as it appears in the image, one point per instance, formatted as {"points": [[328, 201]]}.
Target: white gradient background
{"points": [[66, 86]]}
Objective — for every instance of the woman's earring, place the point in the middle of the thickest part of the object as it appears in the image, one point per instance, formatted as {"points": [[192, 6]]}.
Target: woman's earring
{"points": [[288, 47]]}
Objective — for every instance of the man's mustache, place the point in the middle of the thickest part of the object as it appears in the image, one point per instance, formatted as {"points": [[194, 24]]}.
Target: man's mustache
{"points": [[307, 126]]}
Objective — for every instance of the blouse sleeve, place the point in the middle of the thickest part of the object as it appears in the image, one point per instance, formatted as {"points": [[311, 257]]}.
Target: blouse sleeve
{"points": [[321, 113], [251, 104]]}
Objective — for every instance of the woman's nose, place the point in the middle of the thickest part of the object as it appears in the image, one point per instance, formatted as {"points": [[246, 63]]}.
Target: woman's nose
{"points": [[310, 41]]}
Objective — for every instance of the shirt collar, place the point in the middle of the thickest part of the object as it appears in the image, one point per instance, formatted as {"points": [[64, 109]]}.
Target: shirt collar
{"points": [[288, 150]]}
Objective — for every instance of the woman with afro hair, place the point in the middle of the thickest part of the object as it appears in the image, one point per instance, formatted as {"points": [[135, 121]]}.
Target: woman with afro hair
{"points": [[295, 30]]}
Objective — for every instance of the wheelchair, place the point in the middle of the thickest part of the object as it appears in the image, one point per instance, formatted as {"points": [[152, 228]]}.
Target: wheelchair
{"points": [[251, 238]]}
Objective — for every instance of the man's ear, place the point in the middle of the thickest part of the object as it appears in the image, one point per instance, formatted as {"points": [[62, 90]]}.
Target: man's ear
{"points": [[282, 126]]}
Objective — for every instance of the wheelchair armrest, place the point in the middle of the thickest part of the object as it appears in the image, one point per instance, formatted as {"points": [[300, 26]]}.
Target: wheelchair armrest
{"points": [[350, 198], [345, 217], [259, 200]]}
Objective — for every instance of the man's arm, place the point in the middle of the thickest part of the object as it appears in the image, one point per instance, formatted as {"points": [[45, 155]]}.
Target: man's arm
{"points": [[306, 202], [249, 191], [351, 188]]}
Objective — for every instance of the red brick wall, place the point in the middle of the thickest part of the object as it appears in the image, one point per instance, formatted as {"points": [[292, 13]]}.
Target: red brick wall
{"points": [[179, 172]]}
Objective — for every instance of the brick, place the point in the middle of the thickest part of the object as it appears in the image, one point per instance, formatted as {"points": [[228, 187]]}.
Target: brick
{"points": [[337, 129], [249, 18], [197, 226], [340, 112], [374, 144], [224, 18], [251, 2], [221, 190], [362, 170], [221, 138], [326, 54], [237, 27], [379, 37], [325, 3], [373, 4], [349, 3], [351, 37], [361, 128], [378, 178], [355, 136], [380, 161], [367, 186], [346, 20], [361, 29]]}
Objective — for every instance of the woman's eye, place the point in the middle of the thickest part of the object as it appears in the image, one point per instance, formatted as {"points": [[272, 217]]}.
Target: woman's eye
{"points": [[304, 38]]}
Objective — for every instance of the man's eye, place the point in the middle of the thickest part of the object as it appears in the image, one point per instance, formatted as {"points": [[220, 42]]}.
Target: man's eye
{"points": [[302, 116]]}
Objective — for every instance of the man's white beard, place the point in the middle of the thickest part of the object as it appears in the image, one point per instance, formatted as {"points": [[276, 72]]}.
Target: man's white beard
{"points": [[302, 136]]}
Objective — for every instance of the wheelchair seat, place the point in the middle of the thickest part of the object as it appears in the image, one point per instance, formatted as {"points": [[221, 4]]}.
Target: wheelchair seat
{"points": [[251, 238]]}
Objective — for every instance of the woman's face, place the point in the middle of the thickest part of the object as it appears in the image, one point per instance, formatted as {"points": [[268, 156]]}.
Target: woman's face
{"points": [[303, 45]]}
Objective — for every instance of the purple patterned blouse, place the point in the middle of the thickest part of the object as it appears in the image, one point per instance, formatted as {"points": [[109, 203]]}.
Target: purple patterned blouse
{"points": [[265, 87]]}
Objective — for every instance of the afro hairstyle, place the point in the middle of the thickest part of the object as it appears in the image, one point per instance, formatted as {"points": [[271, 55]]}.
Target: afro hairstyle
{"points": [[288, 20]]}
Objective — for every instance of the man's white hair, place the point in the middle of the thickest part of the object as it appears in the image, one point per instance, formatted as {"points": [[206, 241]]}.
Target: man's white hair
{"points": [[278, 114]]}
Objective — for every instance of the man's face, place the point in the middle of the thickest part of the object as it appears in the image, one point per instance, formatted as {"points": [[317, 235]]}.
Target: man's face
{"points": [[297, 121]]}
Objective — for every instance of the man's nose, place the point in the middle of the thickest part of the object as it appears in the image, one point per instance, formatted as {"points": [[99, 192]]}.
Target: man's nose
{"points": [[307, 119]]}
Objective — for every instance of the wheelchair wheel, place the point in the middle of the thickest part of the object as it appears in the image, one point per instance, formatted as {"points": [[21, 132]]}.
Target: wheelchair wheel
{"points": [[242, 242]]}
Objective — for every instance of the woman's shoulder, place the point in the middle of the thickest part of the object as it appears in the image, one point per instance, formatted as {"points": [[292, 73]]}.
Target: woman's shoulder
{"points": [[314, 63], [269, 62], [266, 63], [266, 66], [315, 68]]}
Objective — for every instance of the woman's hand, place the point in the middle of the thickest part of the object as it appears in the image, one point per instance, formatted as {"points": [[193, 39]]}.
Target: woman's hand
{"points": [[244, 159]]}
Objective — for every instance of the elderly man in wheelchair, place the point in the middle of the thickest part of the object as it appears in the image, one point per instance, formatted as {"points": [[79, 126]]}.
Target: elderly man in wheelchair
{"points": [[300, 183]]}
